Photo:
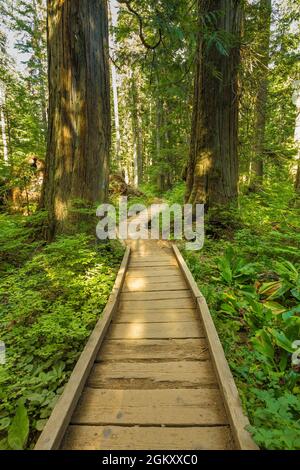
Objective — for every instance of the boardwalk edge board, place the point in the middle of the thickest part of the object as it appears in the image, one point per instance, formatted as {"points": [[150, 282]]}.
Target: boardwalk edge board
{"points": [[55, 428], [238, 421]]}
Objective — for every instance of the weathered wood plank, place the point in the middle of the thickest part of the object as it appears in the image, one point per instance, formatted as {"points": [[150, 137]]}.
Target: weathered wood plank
{"points": [[154, 349], [151, 284], [154, 264], [57, 423], [154, 438], [152, 375], [154, 271], [156, 255], [130, 305], [152, 279], [154, 259], [157, 295], [156, 316], [155, 330], [202, 407]]}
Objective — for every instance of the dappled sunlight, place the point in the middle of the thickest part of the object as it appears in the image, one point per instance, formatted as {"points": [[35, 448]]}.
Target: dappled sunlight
{"points": [[134, 330], [205, 163], [61, 209], [136, 284]]}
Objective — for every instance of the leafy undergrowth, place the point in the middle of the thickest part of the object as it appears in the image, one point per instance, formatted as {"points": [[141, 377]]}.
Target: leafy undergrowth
{"points": [[250, 276], [51, 297]]}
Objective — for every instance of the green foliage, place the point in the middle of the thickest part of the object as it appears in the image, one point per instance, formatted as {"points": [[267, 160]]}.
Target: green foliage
{"points": [[50, 299], [19, 429], [276, 420], [250, 277]]}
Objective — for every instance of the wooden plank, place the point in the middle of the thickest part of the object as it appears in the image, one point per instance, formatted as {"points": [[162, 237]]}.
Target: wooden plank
{"points": [[156, 316], [152, 375], [149, 251], [154, 271], [57, 423], [154, 438], [157, 254], [202, 407], [155, 330], [237, 419], [155, 264], [150, 284], [149, 280], [154, 349], [154, 259], [128, 305], [157, 295], [166, 276]]}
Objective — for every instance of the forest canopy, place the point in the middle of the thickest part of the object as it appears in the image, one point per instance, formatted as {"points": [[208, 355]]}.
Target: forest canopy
{"points": [[179, 101]]}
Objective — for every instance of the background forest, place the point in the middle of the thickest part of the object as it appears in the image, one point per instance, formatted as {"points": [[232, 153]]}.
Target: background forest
{"points": [[181, 100]]}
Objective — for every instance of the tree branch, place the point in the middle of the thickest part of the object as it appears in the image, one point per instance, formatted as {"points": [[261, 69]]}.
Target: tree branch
{"points": [[141, 33]]}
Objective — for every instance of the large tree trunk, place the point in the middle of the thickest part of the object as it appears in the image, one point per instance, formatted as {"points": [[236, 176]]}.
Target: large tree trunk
{"points": [[264, 32], [212, 176], [77, 162]]}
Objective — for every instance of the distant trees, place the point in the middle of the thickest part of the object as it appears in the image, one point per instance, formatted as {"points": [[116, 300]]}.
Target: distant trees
{"points": [[242, 57], [212, 174], [77, 162], [263, 50], [154, 55], [3, 121], [28, 20]]}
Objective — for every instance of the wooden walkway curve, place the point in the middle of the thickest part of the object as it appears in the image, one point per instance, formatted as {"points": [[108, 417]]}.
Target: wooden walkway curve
{"points": [[160, 379]]}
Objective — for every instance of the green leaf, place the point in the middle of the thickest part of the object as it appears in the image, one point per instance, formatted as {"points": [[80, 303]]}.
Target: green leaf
{"points": [[275, 307], [263, 344], [281, 340], [19, 429], [283, 360], [4, 444], [296, 293], [4, 423], [225, 270], [290, 313]]}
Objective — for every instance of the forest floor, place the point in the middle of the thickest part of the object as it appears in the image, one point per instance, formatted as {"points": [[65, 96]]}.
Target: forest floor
{"points": [[51, 297], [249, 271]]}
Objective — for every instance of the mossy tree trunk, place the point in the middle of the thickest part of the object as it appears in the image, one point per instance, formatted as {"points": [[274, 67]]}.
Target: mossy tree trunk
{"points": [[77, 163], [212, 174]]}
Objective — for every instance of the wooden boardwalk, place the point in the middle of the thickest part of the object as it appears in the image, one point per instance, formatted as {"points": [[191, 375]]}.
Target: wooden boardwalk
{"points": [[154, 383]]}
